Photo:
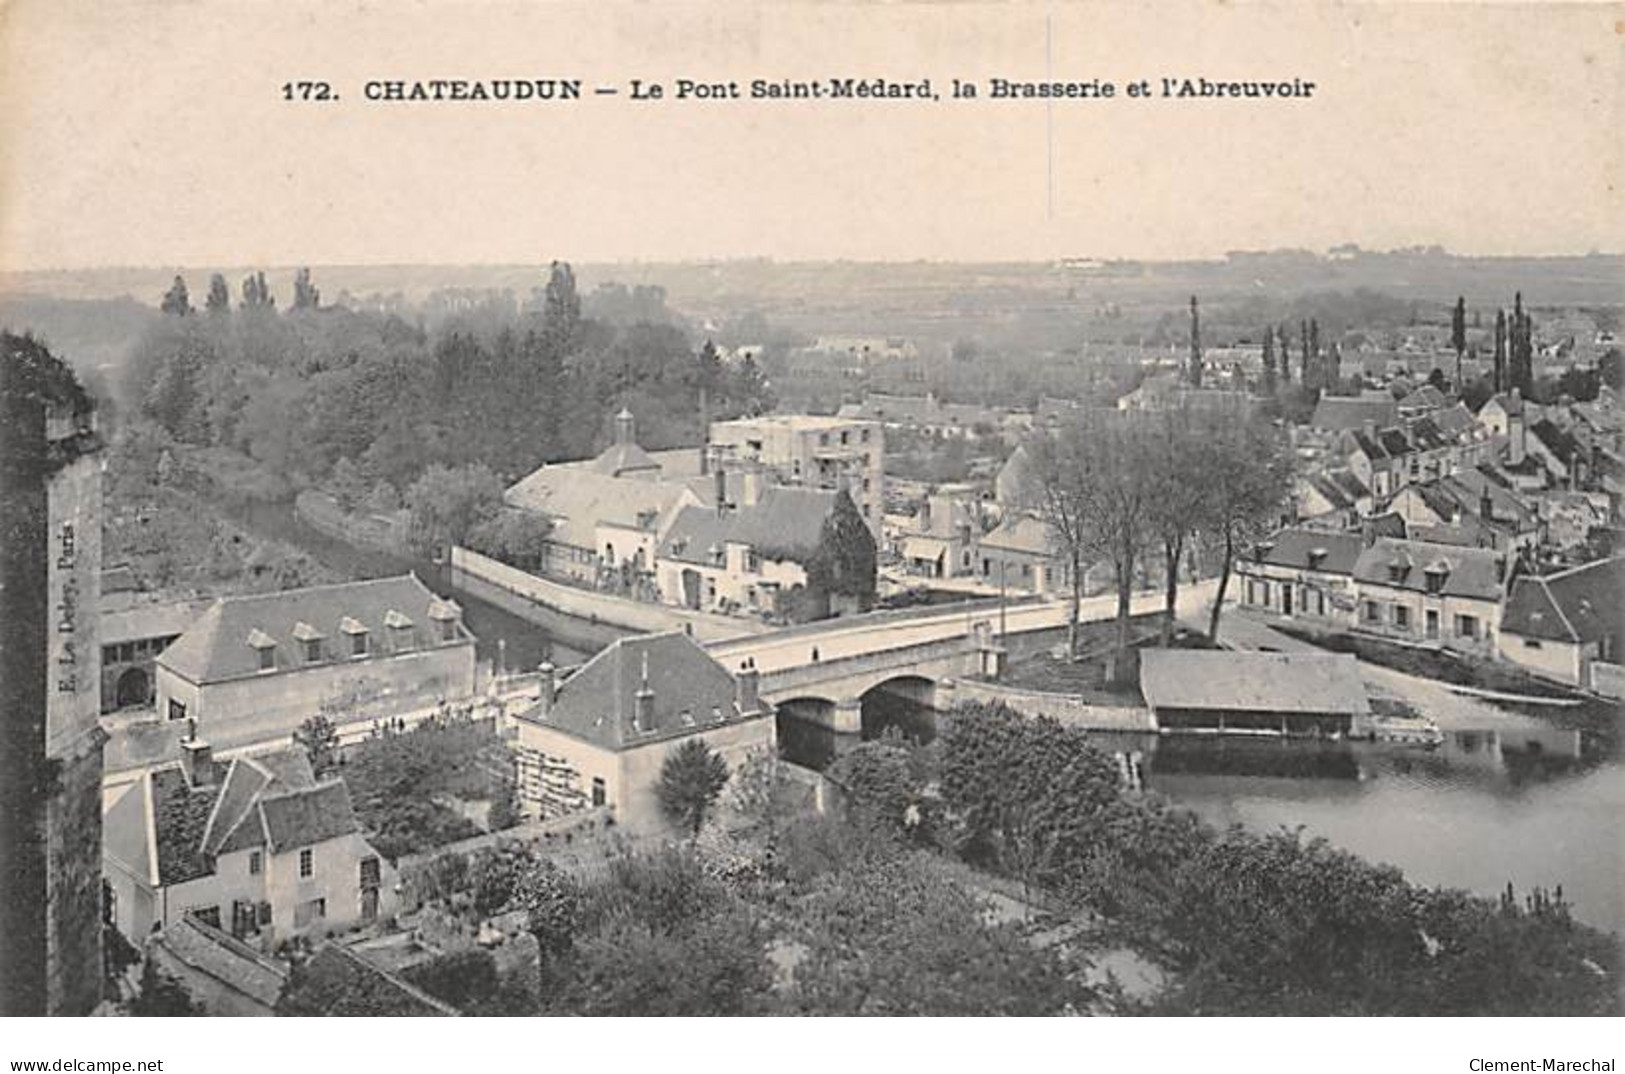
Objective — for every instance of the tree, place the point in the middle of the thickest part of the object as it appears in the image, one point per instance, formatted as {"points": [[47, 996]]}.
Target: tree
{"points": [[306, 296], [1247, 477], [218, 301], [445, 505], [518, 538], [1500, 360], [256, 294], [1195, 367], [843, 569], [1089, 480], [1458, 335], [348, 484], [1269, 360], [552, 901], [319, 738], [1178, 499], [879, 783], [177, 303], [690, 780]]}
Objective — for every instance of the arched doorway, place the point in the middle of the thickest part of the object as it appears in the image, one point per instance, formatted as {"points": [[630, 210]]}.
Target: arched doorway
{"points": [[134, 688]]}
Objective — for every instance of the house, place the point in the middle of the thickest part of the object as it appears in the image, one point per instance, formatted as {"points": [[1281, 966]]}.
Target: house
{"points": [[598, 737], [608, 513], [1482, 510], [1342, 414], [1336, 498], [749, 557], [1015, 483], [811, 452], [1302, 573], [1423, 401], [1256, 693], [1377, 456], [1563, 625], [943, 541], [259, 848], [1422, 592], [1565, 460], [132, 634], [1020, 554], [1503, 414], [251, 669]]}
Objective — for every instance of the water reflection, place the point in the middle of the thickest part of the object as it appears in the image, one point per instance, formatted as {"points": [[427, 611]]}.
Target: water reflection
{"points": [[1479, 810]]}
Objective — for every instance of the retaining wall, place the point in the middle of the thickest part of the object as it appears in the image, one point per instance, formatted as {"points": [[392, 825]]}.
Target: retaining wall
{"points": [[1067, 709]]}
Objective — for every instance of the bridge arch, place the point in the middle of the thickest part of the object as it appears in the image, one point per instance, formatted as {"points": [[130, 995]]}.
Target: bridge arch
{"points": [[905, 703], [805, 727]]}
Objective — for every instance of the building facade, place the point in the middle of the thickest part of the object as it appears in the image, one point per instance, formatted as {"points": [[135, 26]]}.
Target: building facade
{"points": [[252, 669], [814, 452]]}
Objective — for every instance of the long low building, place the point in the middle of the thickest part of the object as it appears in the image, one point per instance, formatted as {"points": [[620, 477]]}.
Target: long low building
{"points": [[1270, 693]]}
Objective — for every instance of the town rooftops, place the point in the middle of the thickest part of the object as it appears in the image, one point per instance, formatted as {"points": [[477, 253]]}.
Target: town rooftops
{"points": [[684, 686], [226, 640], [1348, 413], [1472, 573], [168, 829], [1306, 549], [1579, 605], [784, 523], [1226, 681]]}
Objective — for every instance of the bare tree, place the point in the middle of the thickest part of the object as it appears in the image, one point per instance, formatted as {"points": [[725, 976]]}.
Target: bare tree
{"points": [[1178, 500], [1091, 491], [1246, 477]]}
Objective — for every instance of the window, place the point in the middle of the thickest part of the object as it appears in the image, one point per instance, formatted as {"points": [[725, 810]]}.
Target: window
{"points": [[1372, 612], [864, 436], [600, 793], [823, 440], [313, 650], [448, 630], [1432, 627], [307, 912], [264, 913], [370, 873], [177, 709], [1402, 617], [358, 644], [307, 863], [1531, 643], [109, 654], [256, 863], [1466, 626], [209, 915], [844, 438], [267, 659]]}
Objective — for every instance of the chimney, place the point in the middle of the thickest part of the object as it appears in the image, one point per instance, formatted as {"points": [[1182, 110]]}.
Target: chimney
{"points": [[643, 703], [705, 459], [197, 761], [750, 487], [747, 685], [623, 427], [722, 489], [550, 687]]}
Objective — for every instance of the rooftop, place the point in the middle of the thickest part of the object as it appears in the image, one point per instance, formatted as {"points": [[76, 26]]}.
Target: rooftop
{"points": [[1579, 605], [1253, 682]]}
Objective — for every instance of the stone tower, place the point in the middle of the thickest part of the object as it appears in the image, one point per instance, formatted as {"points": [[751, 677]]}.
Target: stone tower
{"points": [[50, 740]]}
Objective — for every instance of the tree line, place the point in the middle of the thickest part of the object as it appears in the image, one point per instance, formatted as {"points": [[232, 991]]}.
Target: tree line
{"points": [[504, 385]]}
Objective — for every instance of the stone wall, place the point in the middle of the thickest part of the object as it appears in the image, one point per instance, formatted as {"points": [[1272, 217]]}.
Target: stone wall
{"points": [[1065, 708]]}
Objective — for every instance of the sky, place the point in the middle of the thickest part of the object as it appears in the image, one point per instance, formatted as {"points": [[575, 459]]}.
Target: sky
{"points": [[155, 133]]}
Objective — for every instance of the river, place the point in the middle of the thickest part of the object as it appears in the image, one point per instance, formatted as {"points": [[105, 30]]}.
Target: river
{"points": [[1527, 805]]}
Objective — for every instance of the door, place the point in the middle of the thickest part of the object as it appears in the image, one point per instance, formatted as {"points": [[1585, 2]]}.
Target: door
{"points": [[1286, 600], [1432, 623]]}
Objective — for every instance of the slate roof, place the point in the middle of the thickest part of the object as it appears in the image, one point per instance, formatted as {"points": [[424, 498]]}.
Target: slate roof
{"points": [[1020, 532], [338, 983], [149, 620], [618, 459], [1579, 605], [1427, 397], [1349, 413], [1562, 445], [229, 961], [578, 499], [597, 703], [1252, 682], [1294, 548], [1474, 573], [784, 523], [270, 800], [217, 648]]}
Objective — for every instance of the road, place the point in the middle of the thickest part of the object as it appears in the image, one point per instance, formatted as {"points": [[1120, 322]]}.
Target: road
{"points": [[879, 632]]}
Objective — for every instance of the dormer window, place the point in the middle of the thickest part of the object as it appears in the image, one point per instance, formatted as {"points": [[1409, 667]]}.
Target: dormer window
{"points": [[310, 641], [445, 613], [265, 647], [356, 631], [1437, 572], [400, 630], [1317, 556]]}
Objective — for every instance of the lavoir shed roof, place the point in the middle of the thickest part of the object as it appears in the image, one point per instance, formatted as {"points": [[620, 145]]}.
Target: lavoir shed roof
{"points": [[1222, 681]]}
